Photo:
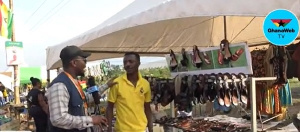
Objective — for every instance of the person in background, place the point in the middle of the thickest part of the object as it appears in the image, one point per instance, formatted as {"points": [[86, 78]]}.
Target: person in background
{"points": [[10, 96], [5, 95], [131, 97], [2, 87], [1, 99], [38, 108], [66, 99]]}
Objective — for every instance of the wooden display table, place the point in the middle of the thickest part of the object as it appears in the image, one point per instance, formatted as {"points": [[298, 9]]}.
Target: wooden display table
{"points": [[16, 109]]}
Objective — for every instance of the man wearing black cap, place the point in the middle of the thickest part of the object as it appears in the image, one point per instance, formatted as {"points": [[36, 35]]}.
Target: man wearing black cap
{"points": [[66, 99]]}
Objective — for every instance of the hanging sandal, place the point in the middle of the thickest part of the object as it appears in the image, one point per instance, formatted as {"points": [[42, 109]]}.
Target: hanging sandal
{"points": [[196, 57], [220, 57], [221, 91], [243, 87], [206, 58], [201, 89], [173, 61], [237, 54], [203, 95], [235, 92], [212, 92], [227, 95], [227, 53], [184, 62]]}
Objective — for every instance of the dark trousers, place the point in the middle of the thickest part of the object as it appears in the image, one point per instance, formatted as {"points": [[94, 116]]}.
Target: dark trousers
{"points": [[40, 118]]}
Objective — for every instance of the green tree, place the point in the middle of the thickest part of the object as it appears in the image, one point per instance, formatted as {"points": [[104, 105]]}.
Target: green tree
{"points": [[162, 72]]}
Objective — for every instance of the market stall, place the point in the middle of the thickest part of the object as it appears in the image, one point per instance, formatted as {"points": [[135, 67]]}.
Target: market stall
{"points": [[227, 85]]}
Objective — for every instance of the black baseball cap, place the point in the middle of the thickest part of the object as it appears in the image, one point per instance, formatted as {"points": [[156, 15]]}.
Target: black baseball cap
{"points": [[70, 52]]}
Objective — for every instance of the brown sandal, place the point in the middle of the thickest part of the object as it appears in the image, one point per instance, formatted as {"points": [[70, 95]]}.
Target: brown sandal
{"points": [[225, 48], [196, 57], [237, 54]]}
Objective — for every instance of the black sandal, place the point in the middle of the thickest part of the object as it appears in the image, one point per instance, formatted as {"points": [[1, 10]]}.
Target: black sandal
{"points": [[173, 61], [227, 97], [235, 91], [221, 90], [243, 89], [196, 57], [184, 62]]}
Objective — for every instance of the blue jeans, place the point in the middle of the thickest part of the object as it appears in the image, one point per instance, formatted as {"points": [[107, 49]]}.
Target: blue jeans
{"points": [[2, 101]]}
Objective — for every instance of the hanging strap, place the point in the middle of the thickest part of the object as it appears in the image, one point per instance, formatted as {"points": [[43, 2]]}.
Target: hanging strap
{"points": [[79, 89]]}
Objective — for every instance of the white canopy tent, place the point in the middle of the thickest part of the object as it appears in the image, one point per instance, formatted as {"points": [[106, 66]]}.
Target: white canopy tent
{"points": [[152, 27], [6, 81]]}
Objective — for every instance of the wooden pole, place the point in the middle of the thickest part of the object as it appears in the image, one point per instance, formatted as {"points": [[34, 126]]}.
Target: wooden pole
{"points": [[16, 75], [225, 28]]}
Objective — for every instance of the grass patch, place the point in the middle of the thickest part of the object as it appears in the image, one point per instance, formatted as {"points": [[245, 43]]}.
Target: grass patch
{"points": [[294, 83]]}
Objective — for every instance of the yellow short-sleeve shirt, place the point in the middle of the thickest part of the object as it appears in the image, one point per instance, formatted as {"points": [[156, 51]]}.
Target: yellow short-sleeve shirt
{"points": [[129, 103]]}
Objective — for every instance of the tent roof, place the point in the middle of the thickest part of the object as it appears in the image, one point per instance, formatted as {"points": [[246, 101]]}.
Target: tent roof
{"points": [[153, 27], [6, 81]]}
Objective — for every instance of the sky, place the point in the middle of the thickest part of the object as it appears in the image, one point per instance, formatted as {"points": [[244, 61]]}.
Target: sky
{"points": [[42, 23]]}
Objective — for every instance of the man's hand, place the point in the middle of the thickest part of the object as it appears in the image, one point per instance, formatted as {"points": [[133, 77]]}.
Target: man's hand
{"points": [[111, 82], [99, 120]]}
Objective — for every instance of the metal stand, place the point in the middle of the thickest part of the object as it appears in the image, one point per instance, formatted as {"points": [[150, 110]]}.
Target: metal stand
{"points": [[172, 113], [253, 100]]}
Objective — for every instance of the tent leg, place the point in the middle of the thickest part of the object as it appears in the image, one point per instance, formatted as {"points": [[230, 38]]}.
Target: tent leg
{"points": [[225, 28], [172, 105]]}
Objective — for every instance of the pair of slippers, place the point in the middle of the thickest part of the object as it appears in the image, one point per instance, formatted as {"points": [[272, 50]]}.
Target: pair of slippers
{"points": [[197, 60], [225, 55]]}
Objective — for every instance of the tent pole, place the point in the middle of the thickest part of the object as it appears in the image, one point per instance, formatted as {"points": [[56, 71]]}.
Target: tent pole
{"points": [[225, 28]]}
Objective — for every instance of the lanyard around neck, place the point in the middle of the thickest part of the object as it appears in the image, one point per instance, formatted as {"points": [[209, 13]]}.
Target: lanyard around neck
{"points": [[78, 87]]}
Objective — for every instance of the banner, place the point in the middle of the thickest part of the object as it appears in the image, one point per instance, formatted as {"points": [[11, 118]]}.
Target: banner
{"points": [[14, 53], [210, 61]]}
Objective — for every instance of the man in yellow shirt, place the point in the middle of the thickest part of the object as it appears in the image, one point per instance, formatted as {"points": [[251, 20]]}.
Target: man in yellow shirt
{"points": [[131, 97]]}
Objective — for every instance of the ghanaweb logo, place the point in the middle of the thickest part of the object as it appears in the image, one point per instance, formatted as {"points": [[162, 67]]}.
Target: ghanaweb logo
{"points": [[281, 27]]}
